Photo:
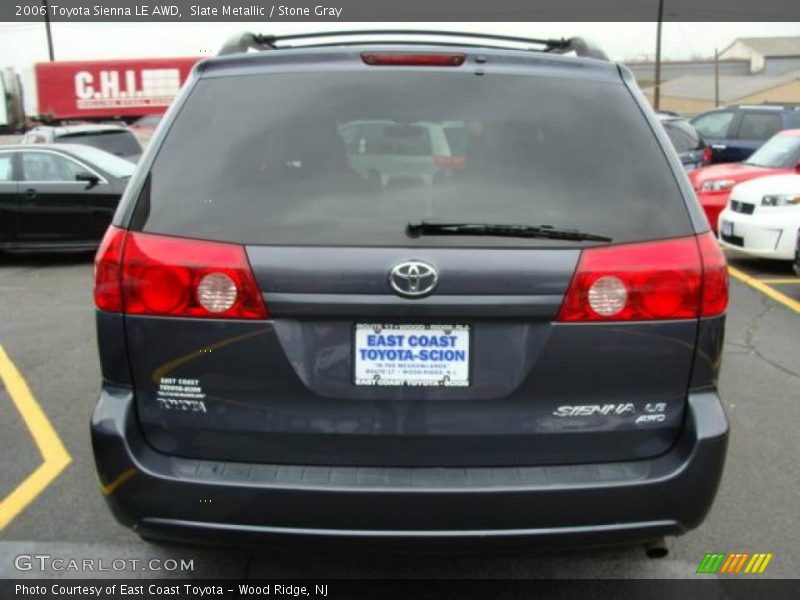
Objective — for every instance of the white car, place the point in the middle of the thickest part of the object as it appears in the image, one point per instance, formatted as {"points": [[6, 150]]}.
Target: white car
{"points": [[762, 217]]}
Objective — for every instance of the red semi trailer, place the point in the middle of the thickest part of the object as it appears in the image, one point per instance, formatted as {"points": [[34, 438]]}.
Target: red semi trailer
{"points": [[96, 90]]}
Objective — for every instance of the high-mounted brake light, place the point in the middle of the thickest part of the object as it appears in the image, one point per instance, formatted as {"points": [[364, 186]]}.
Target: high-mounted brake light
{"points": [[402, 59], [144, 274], [708, 155], [681, 278]]}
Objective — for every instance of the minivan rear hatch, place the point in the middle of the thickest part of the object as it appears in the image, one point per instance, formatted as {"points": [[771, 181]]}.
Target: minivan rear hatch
{"points": [[384, 344]]}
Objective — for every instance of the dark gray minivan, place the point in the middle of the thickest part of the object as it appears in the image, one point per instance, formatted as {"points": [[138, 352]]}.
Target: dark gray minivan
{"points": [[522, 348]]}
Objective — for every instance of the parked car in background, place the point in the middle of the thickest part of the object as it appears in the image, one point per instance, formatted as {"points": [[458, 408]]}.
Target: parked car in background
{"points": [[763, 217], [116, 139], [735, 132], [713, 184], [145, 127], [523, 353], [58, 196], [147, 122], [690, 146], [797, 256], [403, 154]]}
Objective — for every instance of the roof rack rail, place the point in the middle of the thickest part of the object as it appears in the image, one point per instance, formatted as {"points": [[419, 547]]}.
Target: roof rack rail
{"points": [[243, 42]]}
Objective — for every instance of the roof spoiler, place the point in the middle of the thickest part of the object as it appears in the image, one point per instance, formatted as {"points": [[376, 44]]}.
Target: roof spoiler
{"points": [[243, 42]]}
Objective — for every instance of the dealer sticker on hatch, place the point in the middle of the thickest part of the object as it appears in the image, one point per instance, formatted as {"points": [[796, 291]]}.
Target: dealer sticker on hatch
{"points": [[411, 355]]}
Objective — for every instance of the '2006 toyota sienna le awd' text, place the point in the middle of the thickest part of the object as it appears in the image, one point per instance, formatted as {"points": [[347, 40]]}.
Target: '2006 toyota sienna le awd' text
{"points": [[521, 347]]}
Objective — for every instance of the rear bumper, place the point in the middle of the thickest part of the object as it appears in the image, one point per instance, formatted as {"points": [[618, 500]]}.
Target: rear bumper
{"points": [[595, 504]]}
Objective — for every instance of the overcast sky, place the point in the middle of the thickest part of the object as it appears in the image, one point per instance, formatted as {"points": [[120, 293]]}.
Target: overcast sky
{"points": [[22, 44]]}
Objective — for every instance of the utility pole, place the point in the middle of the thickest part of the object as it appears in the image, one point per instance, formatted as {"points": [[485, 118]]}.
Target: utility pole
{"points": [[716, 77], [657, 90], [47, 28]]}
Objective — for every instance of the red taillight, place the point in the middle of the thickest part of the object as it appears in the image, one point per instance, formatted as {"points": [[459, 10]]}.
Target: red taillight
{"points": [[107, 262], [708, 154], [175, 277], [399, 59], [671, 279], [714, 297]]}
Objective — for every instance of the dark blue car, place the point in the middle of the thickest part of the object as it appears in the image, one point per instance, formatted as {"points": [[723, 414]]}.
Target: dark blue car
{"points": [[735, 132]]}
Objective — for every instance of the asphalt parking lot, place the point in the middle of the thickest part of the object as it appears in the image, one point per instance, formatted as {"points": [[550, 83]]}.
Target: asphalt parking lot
{"points": [[774, 278], [50, 498]]}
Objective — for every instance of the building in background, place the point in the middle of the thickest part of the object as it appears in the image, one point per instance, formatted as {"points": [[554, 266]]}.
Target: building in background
{"points": [[751, 71], [766, 55], [644, 71], [694, 93]]}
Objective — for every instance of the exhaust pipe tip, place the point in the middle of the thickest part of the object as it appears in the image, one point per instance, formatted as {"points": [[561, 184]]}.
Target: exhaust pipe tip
{"points": [[657, 548]]}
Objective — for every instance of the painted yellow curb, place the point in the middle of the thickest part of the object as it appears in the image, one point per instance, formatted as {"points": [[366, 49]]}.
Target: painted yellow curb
{"points": [[794, 281], [765, 289], [55, 455]]}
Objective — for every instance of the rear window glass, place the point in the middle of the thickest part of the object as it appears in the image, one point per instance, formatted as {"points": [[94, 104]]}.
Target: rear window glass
{"points": [[759, 126], [713, 125], [351, 159], [118, 167], [456, 138], [683, 136], [119, 143], [393, 139], [5, 167]]}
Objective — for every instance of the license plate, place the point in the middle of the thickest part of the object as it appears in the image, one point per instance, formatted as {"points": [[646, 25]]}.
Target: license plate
{"points": [[412, 355], [726, 227]]}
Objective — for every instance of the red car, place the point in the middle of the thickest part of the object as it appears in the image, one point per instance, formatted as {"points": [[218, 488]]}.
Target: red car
{"points": [[779, 155]]}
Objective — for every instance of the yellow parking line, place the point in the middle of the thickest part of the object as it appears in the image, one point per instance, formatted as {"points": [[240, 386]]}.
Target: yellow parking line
{"points": [[55, 455], [793, 281], [765, 289]]}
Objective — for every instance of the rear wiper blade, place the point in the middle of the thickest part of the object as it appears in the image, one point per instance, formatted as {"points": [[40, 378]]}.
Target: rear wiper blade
{"points": [[523, 231]]}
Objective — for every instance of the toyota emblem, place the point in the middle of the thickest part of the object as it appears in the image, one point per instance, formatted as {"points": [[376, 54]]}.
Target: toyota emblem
{"points": [[413, 278]]}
